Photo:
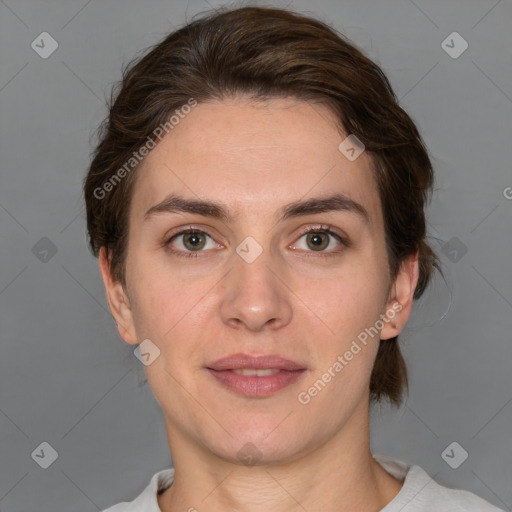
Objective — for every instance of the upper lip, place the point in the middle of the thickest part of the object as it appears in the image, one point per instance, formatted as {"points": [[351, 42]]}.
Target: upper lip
{"points": [[244, 361]]}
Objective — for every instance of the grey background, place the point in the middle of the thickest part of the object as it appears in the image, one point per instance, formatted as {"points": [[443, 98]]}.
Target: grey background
{"points": [[66, 378]]}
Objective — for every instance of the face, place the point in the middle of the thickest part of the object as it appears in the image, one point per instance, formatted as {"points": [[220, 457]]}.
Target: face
{"points": [[288, 262]]}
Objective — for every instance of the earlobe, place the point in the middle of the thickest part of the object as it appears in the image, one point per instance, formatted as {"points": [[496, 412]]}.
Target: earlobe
{"points": [[400, 301], [118, 301]]}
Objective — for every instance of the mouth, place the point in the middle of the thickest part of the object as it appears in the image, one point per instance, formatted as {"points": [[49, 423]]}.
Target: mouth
{"points": [[251, 376], [261, 372]]}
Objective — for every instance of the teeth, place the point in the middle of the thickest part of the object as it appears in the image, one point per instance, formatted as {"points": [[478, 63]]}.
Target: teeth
{"points": [[258, 372]]}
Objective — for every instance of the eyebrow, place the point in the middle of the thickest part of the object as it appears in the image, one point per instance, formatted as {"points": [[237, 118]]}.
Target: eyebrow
{"points": [[336, 202]]}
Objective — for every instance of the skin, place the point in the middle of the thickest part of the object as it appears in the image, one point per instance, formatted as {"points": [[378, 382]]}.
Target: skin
{"points": [[291, 301]]}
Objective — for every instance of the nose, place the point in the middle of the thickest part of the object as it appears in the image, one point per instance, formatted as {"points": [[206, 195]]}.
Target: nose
{"points": [[254, 297]]}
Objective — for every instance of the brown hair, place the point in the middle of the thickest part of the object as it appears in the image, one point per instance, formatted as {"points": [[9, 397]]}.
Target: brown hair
{"points": [[264, 53]]}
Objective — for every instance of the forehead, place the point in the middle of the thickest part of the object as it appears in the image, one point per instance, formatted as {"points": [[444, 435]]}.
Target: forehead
{"points": [[254, 157]]}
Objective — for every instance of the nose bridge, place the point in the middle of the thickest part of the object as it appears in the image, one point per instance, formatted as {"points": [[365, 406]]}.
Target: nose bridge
{"points": [[253, 295]]}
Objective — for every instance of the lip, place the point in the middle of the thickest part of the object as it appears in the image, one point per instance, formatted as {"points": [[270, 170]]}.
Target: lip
{"points": [[252, 385], [241, 361]]}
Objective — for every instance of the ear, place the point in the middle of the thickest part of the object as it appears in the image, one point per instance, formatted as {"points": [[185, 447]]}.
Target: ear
{"points": [[118, 301], [400, 300]]}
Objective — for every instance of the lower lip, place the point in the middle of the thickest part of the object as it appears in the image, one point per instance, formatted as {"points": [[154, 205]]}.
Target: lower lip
{"points": [[256, 386]]}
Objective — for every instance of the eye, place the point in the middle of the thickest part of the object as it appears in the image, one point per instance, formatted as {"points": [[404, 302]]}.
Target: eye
{"points": [[189, 243], [320, 239], [190, 240]]}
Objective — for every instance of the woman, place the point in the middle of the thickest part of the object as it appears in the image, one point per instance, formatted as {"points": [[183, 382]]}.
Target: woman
{"points": [[257, 206]]}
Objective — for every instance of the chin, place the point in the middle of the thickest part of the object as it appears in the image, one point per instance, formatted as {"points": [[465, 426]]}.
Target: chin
{"points": [[256, 447]]}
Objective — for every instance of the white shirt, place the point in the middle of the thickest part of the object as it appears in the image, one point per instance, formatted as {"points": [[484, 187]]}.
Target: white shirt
{"points": [[419, 493]]}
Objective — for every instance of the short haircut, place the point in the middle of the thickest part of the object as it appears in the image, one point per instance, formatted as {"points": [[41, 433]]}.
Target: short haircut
{"points": [[266, 53]]}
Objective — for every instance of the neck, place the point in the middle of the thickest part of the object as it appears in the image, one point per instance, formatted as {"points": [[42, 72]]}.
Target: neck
{"points": [[339, 475]]}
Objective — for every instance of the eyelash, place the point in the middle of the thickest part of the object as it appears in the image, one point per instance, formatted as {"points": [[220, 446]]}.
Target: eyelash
{"points": [[317, 229]]}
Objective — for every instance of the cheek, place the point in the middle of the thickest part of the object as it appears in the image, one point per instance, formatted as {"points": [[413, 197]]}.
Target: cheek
{"points": [[154, 299], [161, 309], [170, 306], [345, 355], [348, 302]]}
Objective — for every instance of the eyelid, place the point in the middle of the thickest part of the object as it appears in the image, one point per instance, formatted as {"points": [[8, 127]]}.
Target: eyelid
{"points": [[188, 228], [322, 228]]}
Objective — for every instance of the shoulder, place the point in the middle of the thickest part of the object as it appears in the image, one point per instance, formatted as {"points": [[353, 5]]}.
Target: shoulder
{"points": [[434, 496], [421, 493], [147, 501]]}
